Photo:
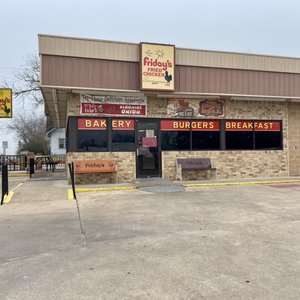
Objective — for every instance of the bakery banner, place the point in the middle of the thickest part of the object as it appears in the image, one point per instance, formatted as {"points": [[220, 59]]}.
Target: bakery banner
{"points": [[195, 108], [113, 105], [157, 67]]}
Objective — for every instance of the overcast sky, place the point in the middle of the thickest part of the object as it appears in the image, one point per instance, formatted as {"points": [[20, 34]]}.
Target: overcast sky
{"points": [[251, 26]]}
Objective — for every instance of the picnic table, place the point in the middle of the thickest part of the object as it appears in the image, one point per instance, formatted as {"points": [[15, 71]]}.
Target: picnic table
{"points": [[46, 160]]}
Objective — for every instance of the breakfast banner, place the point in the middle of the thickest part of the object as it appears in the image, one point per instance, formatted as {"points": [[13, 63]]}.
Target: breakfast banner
{"points": [[157, 67]]}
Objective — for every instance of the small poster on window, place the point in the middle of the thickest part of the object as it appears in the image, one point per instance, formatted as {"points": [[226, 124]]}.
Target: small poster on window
{"points": [[149, 133], [149, 142]]}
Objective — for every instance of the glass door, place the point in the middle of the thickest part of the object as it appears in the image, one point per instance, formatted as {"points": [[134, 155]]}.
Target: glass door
{"points": [[147, 151]]}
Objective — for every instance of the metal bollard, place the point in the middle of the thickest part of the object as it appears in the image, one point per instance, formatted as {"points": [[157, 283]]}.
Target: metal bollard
{"points": [[4, 182]]}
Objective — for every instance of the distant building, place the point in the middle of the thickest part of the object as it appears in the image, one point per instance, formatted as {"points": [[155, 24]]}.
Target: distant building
{"points": [[57, 141]]}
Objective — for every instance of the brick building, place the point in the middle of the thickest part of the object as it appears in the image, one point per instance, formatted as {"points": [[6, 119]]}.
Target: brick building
{"points": [[145, 105]]}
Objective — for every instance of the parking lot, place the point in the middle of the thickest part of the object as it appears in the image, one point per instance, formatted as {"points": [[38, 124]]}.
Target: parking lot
{"points": [[211, 242]]}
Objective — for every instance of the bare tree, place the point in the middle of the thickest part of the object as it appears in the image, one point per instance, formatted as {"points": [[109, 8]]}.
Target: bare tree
{"points": [[27, 79], [31, 132]]}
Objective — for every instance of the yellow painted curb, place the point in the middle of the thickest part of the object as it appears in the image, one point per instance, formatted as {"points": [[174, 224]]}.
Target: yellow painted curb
{"points": [[18, 175], [240, 183], [8, 197], [99, 189]]}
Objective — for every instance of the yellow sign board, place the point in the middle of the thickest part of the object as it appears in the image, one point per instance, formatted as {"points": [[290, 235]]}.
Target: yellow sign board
{"points": [[5, 103], [157, 67]]}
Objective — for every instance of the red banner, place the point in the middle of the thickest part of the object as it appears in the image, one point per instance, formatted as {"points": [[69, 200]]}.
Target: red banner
{"points": [[267, 126], [182, 125], [92, 124], [122, 124], [250, 126], [113, 109]]}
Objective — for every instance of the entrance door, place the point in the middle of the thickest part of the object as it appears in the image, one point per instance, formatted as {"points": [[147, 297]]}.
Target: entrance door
{"points": [[147, 153]]}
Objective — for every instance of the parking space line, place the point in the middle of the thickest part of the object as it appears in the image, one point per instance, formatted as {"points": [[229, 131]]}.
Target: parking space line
{"points": [[7, 198]]}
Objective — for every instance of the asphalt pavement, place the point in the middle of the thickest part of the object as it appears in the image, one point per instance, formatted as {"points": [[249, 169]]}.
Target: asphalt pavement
{"points": [[153, 242]]}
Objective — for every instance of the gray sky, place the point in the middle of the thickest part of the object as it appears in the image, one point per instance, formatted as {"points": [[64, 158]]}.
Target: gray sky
{"points": [[252, 26]]}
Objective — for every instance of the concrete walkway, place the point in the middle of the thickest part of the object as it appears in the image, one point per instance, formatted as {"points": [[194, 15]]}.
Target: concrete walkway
{"points": [[205, 242]]}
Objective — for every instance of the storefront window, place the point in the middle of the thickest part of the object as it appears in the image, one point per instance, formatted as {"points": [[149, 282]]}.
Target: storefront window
{"points": [[175, 135], [239, 140], [123, 141], [123, 135], [205, 140], [249, 135], [175, 140], [268, 135], [267, 140], [92, 141], [92, 135]]}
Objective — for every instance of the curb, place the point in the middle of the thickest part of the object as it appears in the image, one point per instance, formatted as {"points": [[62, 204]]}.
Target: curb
{"points": [[132, 187], [240, 183], [99, 189], [18, 175]]}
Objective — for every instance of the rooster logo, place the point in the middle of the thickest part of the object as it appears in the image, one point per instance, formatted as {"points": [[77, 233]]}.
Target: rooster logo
{"points": [[5, 109], [168, 77]]}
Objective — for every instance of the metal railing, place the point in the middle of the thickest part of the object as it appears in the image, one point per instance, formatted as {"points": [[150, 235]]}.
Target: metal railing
{"points": [[20, 162], [13, 162]]}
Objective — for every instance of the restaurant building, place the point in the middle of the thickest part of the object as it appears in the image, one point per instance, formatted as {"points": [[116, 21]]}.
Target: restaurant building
{"points": [[131, 110]]}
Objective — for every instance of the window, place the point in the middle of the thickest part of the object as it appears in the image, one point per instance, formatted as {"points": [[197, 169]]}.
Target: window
{"points": [[239, 135], [61, 143], [92, 140], [249, 135], [205, 140], [123, 135], [91, 135], [175, 135], [178, 135], [175, 140], [268, 135], [205, 135], [123, 140]]}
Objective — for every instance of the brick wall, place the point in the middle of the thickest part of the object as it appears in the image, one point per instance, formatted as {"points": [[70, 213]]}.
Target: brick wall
{"points": [[294, 137], [229, 164], [232, 164], [73, 105], [243, 164]]}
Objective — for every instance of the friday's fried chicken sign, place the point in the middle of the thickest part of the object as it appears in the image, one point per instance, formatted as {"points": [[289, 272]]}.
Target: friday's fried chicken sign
{"points": [[157, 67]]}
